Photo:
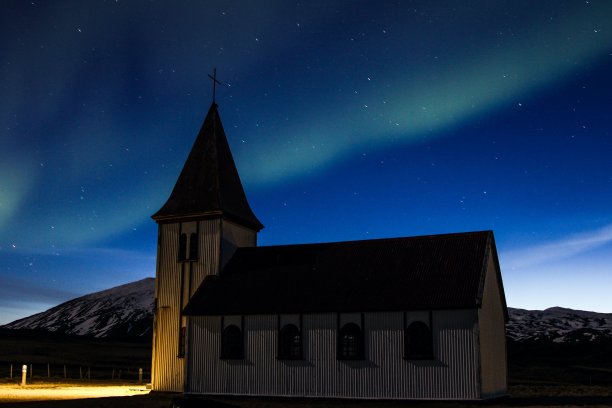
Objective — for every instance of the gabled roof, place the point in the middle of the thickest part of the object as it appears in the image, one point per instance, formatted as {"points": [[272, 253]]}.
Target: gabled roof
{"points": [[416, 273], [209, 184]]}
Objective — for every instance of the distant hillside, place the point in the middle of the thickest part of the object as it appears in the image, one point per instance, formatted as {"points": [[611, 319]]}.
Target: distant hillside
{"points": [[558, 325], [559, 346], [124, 311]]}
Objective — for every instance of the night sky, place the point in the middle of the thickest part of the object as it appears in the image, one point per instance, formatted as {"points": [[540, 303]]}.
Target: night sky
{"points": [[348, 120]]}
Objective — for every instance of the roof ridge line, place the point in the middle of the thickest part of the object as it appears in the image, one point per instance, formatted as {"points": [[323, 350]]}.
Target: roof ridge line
{"points": [[356, 241]]}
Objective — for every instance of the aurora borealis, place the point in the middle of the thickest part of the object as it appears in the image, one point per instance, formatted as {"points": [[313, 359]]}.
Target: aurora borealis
{"points": [[347, 120]]}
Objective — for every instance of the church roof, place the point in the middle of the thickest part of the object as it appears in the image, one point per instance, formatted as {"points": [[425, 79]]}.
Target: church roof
{"points": [[415, 273], [209, 184]]}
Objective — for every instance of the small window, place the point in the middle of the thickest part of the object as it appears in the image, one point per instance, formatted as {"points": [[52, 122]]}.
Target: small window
{"points": [[232, 343], [418, 344], [182, 249], [290, 343], [193, 247], [350, 343], [181, 350]]}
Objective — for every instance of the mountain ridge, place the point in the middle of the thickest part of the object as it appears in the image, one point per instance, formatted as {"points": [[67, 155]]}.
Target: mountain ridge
{"points": [[126, 311], [558, 324], [122, 311]]}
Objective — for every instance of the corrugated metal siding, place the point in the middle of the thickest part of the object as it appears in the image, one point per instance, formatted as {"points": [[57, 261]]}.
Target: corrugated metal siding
{"points": [[177, 282], [458, 344], [493, 336], [384, 373], [208, 260], [167, 370]]}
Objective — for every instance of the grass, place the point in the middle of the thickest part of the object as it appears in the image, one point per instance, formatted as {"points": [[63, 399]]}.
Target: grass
{"points": [[573, 364], [521, 396], [540, 374], [74, 356]]}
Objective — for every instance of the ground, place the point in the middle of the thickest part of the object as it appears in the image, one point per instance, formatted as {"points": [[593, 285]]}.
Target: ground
{"points": [[104, 395], [12, 391], [540, 375]]}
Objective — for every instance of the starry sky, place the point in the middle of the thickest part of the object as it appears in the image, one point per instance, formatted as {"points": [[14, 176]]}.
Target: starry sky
{"points": [[347, 119]]}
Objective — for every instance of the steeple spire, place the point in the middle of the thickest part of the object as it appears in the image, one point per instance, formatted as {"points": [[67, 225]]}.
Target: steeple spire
{"points": [[209, 184]]}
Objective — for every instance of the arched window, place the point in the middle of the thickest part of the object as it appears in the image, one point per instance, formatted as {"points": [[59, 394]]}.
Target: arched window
{"points": [[418, 344], [350, 342], [193, 247], [182, 249], [232, 343], [290, 343]]}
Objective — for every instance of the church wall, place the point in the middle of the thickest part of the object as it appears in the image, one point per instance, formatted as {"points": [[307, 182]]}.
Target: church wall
{"points": [[167, 370], [346, 318], [208, 248], [293, 319], [493, 336], [235, 236], [419, 315], [176, 282], [383, 374]]}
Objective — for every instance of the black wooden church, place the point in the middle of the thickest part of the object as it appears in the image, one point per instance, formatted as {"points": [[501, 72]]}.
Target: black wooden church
{"points": [[399, 318]]}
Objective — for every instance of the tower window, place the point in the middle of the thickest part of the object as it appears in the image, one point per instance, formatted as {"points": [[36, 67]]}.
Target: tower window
{"points": [[290, 343], [182, 249], [193, 247], [182, 338], [350, 342], [232, 343], [418, 342]]}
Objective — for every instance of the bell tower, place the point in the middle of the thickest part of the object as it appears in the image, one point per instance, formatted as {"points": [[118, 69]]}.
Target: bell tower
{"points": [[200, 226]]}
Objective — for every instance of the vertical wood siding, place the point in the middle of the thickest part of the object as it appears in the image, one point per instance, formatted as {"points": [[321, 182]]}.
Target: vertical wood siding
{"points": [[172, 277], [208, 259], [167, 369], [177, 282], [493, 336], [383, 374]]}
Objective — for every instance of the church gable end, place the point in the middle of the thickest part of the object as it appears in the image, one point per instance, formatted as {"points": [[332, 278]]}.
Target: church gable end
{"points": [[492, 319]]}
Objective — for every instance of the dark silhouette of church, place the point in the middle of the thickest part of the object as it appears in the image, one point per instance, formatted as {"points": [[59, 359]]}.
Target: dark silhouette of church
{"points": [[403, 318]]}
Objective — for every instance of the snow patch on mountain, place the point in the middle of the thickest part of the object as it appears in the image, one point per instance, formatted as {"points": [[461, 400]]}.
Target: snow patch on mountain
{"points": [[122, 311], [558, 324], [127, 311]]}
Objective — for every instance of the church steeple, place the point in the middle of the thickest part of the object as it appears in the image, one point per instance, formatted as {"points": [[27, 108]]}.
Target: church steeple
{"points": [[209, 184], [206, 218]]}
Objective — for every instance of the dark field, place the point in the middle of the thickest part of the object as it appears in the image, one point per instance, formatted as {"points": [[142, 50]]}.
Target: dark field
{"points": [[575, 364], [539, 396], [540, 374], [49, 353]]}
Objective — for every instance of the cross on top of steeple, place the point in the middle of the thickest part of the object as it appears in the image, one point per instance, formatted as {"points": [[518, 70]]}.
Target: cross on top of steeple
{"points": [[215, 82]]}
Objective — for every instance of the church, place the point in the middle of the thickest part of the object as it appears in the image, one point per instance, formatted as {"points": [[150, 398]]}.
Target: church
{"points": [[400, 318]]}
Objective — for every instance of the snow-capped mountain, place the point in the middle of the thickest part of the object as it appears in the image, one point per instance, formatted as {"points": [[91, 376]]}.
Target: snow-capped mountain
{"points": [[558, 324], [127, 311], [122, 311]]}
